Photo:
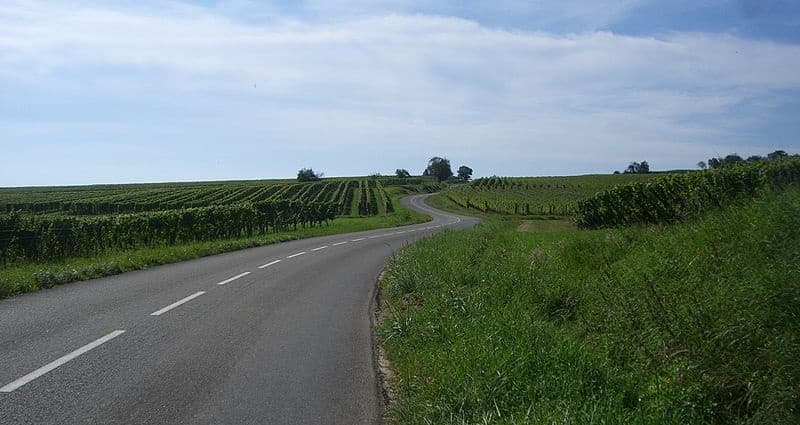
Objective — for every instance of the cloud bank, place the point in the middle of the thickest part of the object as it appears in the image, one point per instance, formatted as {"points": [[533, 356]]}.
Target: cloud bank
{"points": [[373, 93]]}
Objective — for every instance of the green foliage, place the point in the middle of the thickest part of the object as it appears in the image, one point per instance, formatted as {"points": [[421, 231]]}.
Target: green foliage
{"points": [[675, 197], [533, 196], [35, 237], [734, 159], [25, 277], [122, 199], [439, 168], [685, 324], [464, 173], [638, 168], [308, 175]]}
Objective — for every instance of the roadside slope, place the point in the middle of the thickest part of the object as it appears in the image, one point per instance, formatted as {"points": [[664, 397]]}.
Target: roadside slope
{"points": [[684, 324]]}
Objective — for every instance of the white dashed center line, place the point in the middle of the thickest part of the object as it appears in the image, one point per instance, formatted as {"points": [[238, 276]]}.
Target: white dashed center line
{"points": [[339, 243], [322, 247], [269, 264], [296, 255], [50, 366], [233, 278], [358, 240], [177, 303]]}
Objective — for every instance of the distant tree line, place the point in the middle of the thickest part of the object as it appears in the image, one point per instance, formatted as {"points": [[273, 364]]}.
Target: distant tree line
{"points": [[734, 158], [438, 168], [712, 163]]}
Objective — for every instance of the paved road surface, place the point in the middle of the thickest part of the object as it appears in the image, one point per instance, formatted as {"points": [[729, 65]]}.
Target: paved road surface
{"points": [[279, 334]]}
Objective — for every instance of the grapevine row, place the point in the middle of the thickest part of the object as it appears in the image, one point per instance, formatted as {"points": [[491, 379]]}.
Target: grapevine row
{"points": [[676, 197], [44, 237]]}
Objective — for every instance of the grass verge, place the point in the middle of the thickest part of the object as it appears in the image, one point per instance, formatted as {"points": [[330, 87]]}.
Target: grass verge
{"points": [[692, 323], [27, 277]]}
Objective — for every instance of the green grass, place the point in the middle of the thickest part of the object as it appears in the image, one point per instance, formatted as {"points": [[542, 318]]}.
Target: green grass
{"points": [[27, 277], [536, 322]]}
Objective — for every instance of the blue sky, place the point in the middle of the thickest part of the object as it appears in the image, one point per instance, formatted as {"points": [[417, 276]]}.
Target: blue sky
{"points": [[123, 91]]}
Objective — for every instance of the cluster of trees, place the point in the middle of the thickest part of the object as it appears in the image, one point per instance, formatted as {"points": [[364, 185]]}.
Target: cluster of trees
{"points": [[636, 168], [440, 169], [308, 175], [734, 158], [713, 163]]}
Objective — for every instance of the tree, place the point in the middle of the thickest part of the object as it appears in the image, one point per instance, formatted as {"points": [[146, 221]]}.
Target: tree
{"points": [[308, 175], [464, 173], [732, 159], [777, 155], [638, 168], [714, 163], [439, 168], [402, 173], [702, 165], [754, 158]]}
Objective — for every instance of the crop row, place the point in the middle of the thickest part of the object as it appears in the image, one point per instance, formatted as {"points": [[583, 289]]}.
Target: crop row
{"points": [[675, 197], [46, 237], [529, 196], [113, 201], [372, 198]]}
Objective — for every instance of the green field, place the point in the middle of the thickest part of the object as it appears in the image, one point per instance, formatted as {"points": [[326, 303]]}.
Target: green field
{"points": [[537, 322], [532, 196], [351, 196], [681, 306], [55, 235]]}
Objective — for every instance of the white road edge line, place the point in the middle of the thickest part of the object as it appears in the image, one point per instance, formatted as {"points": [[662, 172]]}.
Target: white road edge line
{"points": [[233, 278], [358, 240], [296, 255], [269, 264], [322, 247], [339, 243], [50, 366], [177, 303]]}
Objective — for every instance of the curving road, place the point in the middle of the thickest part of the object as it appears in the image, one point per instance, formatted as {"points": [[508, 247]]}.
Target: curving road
{"points": [[279, 334]]}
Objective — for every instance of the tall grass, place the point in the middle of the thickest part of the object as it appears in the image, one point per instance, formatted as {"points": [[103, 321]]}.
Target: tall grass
{"points": [[691, 323]]}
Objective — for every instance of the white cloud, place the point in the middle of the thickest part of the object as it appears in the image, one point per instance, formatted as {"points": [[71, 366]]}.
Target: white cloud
{"points": [[418, 79]]}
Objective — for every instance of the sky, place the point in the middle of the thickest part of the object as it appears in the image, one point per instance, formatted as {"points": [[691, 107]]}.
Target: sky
{"points": [[143, 91]]}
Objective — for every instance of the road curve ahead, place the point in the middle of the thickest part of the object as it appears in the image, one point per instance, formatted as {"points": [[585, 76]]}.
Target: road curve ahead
{"points": [[279, 334]]}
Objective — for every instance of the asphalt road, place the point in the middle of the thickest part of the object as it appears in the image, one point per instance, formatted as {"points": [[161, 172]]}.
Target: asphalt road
{"points": [[279, 334]]}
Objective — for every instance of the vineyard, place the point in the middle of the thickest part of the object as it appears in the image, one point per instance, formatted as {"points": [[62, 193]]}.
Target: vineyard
{"points": [[675, 197], [117, 199], [59, 222], [532, 196]]}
